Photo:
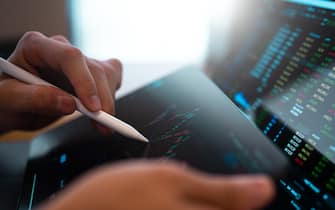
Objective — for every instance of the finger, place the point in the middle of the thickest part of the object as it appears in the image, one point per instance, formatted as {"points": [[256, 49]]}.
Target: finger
{"points": [[100, 76], [201, 207], [195, 206], [236, 192], [60, 38], [24, 98], [36, 50], [105, 93], [114, 73], [24, 121]]}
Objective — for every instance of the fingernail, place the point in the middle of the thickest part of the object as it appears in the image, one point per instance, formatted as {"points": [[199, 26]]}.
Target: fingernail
{"points": [[65, 104], [95, 102]]}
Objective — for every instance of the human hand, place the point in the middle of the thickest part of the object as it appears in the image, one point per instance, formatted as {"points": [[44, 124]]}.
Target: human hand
{"points": [[162, 186], [25, 106]]}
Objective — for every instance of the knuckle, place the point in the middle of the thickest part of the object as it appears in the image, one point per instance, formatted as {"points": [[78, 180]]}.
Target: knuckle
{"points": [[114, 72], [110, 73], [31, 36], [99, 69], [86, 85], [114, 67], [117, 69], [117, 65], [60, 37], [43, 98], [84, 82], [26, 47], [73, 53]]}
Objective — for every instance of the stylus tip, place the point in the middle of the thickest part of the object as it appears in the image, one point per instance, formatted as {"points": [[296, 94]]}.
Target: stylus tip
{"points": [[144, 139]]}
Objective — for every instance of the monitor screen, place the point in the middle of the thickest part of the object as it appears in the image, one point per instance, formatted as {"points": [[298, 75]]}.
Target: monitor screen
{"points": [[279, 68]]}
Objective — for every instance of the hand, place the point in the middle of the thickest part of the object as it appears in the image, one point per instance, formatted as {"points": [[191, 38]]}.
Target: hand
{"points": [[162, 186], [24, 106]]}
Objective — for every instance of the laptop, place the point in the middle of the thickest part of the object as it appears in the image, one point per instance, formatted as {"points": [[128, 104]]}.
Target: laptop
{"points": [[278, 69]]}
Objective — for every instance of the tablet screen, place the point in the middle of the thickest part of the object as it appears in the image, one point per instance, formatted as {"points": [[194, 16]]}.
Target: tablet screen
{"points": [[185, 117]]}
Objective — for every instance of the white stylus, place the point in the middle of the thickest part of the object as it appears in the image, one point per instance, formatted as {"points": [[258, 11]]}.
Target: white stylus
{"points": [[100, 116]]}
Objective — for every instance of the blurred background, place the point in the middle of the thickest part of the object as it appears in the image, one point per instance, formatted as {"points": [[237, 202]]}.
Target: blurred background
{"points": [[151, 37]]}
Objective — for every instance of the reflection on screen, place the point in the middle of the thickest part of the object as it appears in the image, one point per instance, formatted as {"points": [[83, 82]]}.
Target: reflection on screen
{"points": [[282, 73]]}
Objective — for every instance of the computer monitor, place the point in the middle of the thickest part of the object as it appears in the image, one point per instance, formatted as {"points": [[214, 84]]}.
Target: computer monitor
{"points": [[279, 68]]}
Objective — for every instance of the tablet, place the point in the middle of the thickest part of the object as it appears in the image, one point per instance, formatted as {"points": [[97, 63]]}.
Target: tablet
{"points": [[185, 117]]}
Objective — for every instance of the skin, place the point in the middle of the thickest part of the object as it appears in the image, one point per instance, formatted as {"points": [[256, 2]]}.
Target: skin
{"points": [[141, 185], [164, 186], [32, 106]]}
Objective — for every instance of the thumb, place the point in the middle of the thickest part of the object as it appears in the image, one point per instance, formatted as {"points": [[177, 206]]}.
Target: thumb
{"points": [[36, 99], [235, 192]]}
